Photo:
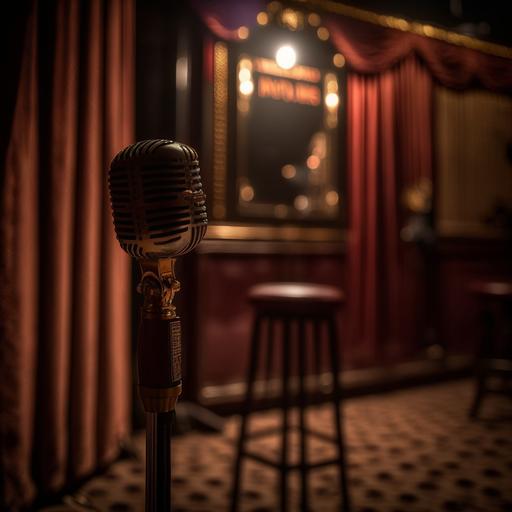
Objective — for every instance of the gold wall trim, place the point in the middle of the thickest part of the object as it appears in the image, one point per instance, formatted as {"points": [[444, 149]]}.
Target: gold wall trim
{"points": [[282, 233], [471, 230], [409, 26], [220, 129], [353, 380]]}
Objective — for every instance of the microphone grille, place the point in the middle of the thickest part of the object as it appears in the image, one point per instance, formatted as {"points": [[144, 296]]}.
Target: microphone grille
{"points": [[158, 204]]}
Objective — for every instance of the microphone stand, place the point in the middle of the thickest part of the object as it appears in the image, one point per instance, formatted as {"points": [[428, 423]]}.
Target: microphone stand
{"points": [[159, 374]]}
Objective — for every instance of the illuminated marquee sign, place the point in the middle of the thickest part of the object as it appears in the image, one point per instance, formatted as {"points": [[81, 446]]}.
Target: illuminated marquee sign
{"points": [[287, 136], [291, 85], [286, 90]]}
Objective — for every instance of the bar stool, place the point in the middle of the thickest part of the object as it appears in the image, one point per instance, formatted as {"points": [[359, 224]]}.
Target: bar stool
{"points": [[494, 358], [287, 304]]}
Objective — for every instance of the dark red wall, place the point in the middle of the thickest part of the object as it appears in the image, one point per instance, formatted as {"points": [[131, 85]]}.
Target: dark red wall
{"points": [[223, 315]]}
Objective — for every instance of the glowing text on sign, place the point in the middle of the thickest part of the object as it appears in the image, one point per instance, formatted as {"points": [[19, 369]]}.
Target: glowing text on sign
{"points": [[294, 85]]}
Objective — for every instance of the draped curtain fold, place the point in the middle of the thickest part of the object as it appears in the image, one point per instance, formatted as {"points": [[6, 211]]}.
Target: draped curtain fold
{"points": [[65, 310], [389, 119], [369, 48]]}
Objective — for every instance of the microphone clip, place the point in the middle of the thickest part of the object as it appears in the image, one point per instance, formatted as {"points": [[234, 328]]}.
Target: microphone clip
{"points": [[158, 285]]}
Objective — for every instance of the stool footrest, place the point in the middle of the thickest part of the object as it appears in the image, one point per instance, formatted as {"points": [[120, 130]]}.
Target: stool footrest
{"points": [[288, 467], [277, 430], [497, 365]]}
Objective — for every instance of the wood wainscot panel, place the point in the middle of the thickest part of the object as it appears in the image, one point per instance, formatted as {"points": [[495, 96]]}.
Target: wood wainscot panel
{"points": [[461, 261], [225, 273]]}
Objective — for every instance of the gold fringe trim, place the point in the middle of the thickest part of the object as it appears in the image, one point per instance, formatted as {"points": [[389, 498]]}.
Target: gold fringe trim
{"points": [[409, 26]]}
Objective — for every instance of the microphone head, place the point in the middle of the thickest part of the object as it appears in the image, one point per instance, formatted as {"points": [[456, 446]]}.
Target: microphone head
{"points": [[157, 198]]}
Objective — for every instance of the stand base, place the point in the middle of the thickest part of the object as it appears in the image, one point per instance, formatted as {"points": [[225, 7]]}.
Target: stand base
{"points": [[191, 416]]}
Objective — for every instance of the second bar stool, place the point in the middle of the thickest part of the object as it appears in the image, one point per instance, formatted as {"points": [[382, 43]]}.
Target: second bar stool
{"points": [[299, 304]]}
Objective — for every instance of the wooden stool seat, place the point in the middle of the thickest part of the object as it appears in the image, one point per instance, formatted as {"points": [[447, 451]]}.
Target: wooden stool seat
{"points": [[496, 289], [295, 297], [284, 314]]}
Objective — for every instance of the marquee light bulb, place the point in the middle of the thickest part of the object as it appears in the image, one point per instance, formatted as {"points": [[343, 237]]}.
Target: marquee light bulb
{"points": [[332, 100], [286, 57], [246, 87]]}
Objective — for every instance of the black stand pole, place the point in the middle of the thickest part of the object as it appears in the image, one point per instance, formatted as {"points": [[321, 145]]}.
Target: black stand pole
{"points": [[158, 461], [159, 376]]}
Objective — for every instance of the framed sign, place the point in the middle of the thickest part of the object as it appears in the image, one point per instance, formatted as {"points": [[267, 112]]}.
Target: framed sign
{"points": [[282, 116]]}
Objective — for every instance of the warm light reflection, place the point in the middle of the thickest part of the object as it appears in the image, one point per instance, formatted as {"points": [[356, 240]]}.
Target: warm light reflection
{"points": [[332, 198], [338, 60], [313, 162], [244, 74], [247, 193], [243, 106], [288, 171], [332, 100], [246, 63], [270, 67], [322, 33], [243, 32], [247, 87], [301, 203], [262, 18], [286, 57], [290, 19], [182, 73], [280, 210], [314, 19], [319, 145]]}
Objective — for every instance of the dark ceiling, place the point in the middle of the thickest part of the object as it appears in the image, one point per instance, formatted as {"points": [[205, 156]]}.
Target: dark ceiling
{"points": [[488, 20]]}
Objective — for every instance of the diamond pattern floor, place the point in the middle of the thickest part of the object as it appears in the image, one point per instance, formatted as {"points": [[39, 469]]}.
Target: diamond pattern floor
{"points": [[408, 451]]}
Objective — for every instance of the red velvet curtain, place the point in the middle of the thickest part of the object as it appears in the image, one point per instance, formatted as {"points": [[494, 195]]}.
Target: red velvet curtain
{"points": [[65, 397], [389, 146], [370, 48]]}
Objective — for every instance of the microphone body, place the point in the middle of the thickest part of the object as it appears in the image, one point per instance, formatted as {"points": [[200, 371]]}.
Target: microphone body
{"points": [[159, 213], [157, 198]]}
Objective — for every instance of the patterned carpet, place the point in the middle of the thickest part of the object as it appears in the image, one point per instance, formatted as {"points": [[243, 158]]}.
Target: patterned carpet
{"points": [[408, 451]]}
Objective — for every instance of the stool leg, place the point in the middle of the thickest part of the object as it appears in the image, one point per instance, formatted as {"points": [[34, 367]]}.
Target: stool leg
{"points": [[269, 356], [286, 356], [253, 362], [302, 417], [484, 353], [317, 354], [333, 346]]}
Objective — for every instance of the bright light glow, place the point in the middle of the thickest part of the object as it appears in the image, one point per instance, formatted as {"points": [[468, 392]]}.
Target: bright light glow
{"points": [[332, 100], [262, 18], [322, 33], [338, 60], [246, 88], [290, 19], [313, 162], [314, 19], [243, 32], [332, 198], [246, 63], [244, 75], [286, 57], [247, 193], [182, 73], [301, 203], [288, 171]]}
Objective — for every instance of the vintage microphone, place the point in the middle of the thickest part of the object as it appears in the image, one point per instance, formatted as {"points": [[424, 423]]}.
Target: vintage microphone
{"points": [[159, 213]]}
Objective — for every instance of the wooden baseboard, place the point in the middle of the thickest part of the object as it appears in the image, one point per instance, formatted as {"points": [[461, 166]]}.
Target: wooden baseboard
{"points": [[228, 398]]}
